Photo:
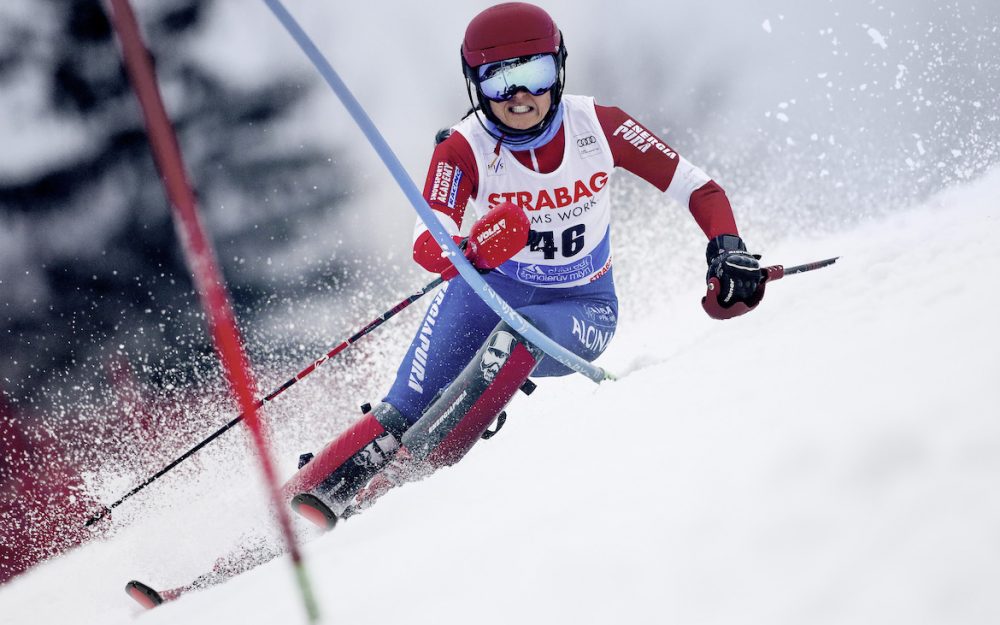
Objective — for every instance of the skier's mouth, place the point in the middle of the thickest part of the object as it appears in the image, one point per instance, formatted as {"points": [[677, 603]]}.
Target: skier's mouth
{"points": [[520, 109]]}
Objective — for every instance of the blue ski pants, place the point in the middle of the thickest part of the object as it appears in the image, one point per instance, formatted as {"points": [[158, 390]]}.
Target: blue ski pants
{"points": [[582, 319]]}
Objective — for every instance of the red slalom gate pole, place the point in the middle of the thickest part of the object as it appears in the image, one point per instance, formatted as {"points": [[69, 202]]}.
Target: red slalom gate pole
{"points": [[201, 261]]}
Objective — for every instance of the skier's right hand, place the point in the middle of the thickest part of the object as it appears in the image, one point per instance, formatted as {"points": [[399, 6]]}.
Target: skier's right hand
{"points": [[495, 238], [428, 254], [498, 236]]}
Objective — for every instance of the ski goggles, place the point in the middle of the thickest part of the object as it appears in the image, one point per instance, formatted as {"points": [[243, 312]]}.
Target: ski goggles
{"points": [[536, 74]]}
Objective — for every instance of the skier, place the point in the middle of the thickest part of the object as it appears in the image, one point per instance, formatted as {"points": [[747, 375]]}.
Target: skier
{"points": [[534, 165]]}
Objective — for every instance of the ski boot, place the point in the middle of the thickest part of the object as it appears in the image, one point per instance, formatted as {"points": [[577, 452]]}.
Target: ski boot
{"points": [[460, 415], [326, 484]]}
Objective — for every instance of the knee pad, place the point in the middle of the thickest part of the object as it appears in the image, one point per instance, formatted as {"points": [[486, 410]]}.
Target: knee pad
{"points": [[453, 423]]}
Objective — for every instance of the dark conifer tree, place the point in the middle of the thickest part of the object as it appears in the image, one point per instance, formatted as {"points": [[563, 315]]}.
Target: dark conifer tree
{"points": [[101, 263]]}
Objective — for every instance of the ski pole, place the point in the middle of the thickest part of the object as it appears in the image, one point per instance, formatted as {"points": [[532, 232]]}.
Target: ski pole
{"points": [[768, 274], [278, 391], [777, 272]]}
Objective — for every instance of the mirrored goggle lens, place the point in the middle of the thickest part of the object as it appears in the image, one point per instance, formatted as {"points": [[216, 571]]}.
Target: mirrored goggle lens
{"points": [[500, 81]]}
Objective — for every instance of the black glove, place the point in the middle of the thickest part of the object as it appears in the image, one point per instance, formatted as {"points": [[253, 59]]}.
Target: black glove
{"points": [[736, 283]]}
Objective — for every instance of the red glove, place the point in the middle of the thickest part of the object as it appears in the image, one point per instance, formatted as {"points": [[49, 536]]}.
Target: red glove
{"points": [[498, 236], [427, 253], [495, 238]]}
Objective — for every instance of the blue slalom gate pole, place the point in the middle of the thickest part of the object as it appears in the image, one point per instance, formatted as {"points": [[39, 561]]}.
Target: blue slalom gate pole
{"points": [[455, 255]]}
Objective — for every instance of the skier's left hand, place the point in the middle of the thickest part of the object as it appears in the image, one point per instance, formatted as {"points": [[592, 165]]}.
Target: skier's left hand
{"points": [[735, 280]]}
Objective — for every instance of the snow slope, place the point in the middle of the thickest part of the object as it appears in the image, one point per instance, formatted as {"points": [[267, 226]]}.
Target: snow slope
{"points": [[831, 458]]}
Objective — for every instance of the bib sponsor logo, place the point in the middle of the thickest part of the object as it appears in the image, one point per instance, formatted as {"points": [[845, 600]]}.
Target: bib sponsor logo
{"points": [[588, 145], [641, 138], [600, 274], [559, 197], [556, 274]]}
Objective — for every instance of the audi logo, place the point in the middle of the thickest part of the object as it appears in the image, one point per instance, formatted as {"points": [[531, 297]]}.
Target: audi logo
{"points": [[591, 140]]}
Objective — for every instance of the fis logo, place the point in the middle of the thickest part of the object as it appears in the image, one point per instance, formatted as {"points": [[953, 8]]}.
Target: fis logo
{"points": [[642, 139], [495, 166]]}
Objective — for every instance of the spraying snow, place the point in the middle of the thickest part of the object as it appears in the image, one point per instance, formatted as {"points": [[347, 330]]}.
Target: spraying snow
{"points": [[845, 474]]}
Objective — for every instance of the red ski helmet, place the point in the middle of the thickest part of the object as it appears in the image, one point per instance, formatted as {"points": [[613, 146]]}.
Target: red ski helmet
{"points": [[507, 31]]}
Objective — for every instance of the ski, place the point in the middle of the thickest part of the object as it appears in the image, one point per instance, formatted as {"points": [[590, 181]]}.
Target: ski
{"points": [[253, 553], [311, 508], [147, 597], [316, 511], [401, 469], [249, 557]]}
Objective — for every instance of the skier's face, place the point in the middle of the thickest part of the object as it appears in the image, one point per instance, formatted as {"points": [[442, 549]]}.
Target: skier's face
{"points": [[523, 110]]}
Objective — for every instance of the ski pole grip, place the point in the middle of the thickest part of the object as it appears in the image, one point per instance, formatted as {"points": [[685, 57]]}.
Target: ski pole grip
{"points": [[772, 273]]}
